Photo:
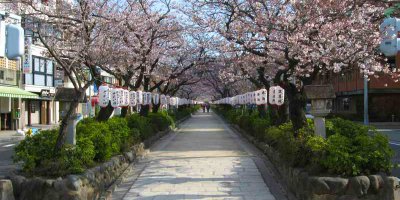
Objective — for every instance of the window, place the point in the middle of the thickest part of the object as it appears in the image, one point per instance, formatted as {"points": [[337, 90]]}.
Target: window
{"points": [[49, 81], [36, 63], [43, 72], [39, 79], [346, 104], [49, 67], [42, 65], [29, 79], [2, 75]]}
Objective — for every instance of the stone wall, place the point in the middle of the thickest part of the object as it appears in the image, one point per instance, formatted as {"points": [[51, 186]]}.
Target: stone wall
{"points": [[87, 186], [307, 187]]}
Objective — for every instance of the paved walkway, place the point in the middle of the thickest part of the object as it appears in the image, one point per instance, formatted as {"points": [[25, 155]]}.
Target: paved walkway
{"points": [[204, 159]]}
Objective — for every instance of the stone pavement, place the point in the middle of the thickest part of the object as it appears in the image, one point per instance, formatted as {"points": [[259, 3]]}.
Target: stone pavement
{"points": [[204, 159]]}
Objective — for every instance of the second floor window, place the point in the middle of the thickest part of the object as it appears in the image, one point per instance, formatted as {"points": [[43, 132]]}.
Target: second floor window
{"points": [[42, 73]]}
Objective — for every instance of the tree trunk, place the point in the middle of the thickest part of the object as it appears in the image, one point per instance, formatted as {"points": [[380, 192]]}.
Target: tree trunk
{"points": [[262, 112], [144, 110], [124, 111], [105, 113], [278, 115], [62, 132], [297, 105], [156, 108]]}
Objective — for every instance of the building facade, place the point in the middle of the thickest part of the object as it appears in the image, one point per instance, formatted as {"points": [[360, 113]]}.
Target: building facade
{"points": [[383, 97], [11, 95]]}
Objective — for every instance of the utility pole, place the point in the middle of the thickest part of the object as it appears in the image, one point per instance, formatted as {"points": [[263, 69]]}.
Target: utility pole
{"points": [[366, 120]]}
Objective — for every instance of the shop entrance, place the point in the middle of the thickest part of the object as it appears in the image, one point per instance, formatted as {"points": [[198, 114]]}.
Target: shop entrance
{"points": [[6, 121]]}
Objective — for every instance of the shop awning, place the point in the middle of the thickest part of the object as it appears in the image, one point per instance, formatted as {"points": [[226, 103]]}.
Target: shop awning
{"points": [[14, 92]]}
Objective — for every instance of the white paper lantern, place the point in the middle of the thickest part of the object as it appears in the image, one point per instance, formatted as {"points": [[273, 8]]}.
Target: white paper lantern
{"points": [[114, 97], [132, 98], [144, 94], [272, 98], [120, 97], [139, 97], [280, 95], [146, 98], [163, 100], [253, 97], [125, 97], [261, 96], [104, 96], [248, 98], [156, 99], [276, 95], [173, 101]]}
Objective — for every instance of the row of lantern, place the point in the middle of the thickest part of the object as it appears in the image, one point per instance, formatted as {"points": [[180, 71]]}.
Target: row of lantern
{"points": [[276, 97], [120, 97]]}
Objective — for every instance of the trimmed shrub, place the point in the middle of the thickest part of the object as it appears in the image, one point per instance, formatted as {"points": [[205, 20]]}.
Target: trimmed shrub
{"points": [[160, 121], [101, 136], [96, 142], [36, 153], [351, 149], [135, 121], [346, 128], [120, 134]]}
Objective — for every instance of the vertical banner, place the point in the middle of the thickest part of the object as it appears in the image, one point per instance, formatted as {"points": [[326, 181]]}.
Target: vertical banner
{"points": [[27, 66]]}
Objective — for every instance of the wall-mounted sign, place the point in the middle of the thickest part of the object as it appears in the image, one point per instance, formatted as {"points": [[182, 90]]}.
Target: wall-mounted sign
{"points": [[45, 93], [27, 65]]}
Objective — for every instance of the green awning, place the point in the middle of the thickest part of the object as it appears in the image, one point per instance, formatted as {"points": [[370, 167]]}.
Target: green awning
{"points": [[14, 92]]}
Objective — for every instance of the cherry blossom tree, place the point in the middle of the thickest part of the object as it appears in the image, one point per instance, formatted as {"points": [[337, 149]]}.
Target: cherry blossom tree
{"points": [[69, 31], [297, 40]]}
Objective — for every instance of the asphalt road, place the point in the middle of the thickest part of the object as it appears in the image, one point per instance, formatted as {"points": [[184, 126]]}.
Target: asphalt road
{"points": [[7, 145], [394, 137]]}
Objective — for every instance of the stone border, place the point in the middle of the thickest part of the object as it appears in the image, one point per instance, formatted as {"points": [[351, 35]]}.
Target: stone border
{"points": [[93, 184], [307, 187]]}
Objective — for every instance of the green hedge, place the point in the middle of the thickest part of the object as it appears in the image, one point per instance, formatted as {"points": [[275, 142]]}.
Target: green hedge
{"points": [[350, 148], [96, 142]]}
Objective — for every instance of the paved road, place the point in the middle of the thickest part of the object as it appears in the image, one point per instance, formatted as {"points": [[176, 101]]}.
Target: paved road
{"points": [[394, 137], [204, 159], [8, 140]]}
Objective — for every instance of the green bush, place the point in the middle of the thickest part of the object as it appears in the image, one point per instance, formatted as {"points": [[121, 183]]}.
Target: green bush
{"points": [[350, 148], [351, 156], [101, 136], [96, 142], [36, 153], [346, 128], [33, 150], [135, 121], [160, 121], [120, 134], [259, 126]]}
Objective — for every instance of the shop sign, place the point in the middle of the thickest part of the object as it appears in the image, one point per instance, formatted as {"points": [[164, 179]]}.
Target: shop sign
{"points": [[45, 94], [27, 69]]}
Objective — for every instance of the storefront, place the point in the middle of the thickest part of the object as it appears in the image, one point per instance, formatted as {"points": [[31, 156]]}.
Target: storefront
{"points": [[43, 110], [10, 106]]}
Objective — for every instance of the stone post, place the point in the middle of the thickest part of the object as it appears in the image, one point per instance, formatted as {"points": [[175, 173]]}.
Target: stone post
{"points": [[319, 124], [6, 190], [321, 105]]}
